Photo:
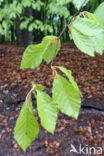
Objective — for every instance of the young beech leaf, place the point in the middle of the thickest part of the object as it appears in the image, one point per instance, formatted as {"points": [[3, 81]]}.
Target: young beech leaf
{"points": [[51, 42], [66, 96], [92, 16], [26, 129], [88, 35], [47, 110], [34, 54], [68, 73], [99, 12]]}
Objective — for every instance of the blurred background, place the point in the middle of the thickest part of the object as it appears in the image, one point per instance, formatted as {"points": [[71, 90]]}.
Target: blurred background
{"points": [[23, 22], [28, 21]]}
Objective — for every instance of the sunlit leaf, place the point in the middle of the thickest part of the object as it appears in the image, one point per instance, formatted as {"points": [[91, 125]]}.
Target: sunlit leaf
{"points": [[68, 73], [66, 96], [26, 129], [99, 12], [88, 36], [39, 87], [47, 110], [92, 16], [50, 42], [34, 54]]}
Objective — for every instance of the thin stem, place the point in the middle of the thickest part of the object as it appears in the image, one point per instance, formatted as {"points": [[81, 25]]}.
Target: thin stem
{"points": [[29, 93]]}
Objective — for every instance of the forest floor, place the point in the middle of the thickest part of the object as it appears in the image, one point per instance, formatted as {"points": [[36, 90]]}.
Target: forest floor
{"points": [[87, 131]]}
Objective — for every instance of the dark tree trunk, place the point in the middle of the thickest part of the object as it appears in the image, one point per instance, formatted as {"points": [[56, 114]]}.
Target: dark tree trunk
{"points": [[28, 36], [19, 33], [24, 38], [13, 33]]}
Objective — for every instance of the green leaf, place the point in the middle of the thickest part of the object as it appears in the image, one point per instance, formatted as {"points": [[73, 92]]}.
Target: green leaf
{"points": [[26, 129], [92, 16], [32, 56], [88, 35], [26, 3], [19, 8], [37, 5], [58, 9], [99, 14], [39, 87], [12, 15], [68, 73], [50, 42], [63, 2], [66, 96], [31, 27], [79, 3], [5, 24], [47, 110], [24, 25], [1, 30]]}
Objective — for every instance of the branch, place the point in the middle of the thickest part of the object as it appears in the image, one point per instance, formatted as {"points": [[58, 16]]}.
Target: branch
{"points": [[65, 29]]}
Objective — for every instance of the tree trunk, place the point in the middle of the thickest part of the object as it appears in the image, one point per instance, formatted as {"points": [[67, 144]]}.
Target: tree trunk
{"points": [[24, 38], [19, 33], [28, 36]]}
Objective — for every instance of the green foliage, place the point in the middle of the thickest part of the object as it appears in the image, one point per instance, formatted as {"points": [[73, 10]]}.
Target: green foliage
{"points": [[38, 25], [92, 16], [63, 2], [99, 14], [8, 15], [47, 111], [45, 17], [88, 35], [78, 3], [25, 22], [59, 9], [34, 54], [1, 30], [92, 5], [31, 3], [37, 5], [26, 129], [38, 87], [27, 3], [66, 96], [11, 10], [68, 73], [50, 45], [42, 12]]}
